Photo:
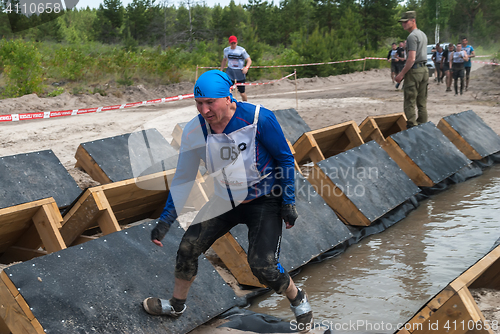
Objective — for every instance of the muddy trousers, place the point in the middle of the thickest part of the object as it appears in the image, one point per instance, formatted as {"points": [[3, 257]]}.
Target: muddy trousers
{"points": [[262, 216], [458, 73], [415, 95]]}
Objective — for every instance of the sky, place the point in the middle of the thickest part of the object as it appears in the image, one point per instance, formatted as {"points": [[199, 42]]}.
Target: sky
{"points": [[210, 3]]}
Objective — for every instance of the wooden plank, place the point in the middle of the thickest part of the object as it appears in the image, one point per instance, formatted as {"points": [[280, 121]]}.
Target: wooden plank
{"points": [[121, 208], [307, 149], [8, 284], [16, 225], [336, 199], [474, 272], [83, 215], [31, 238], [417, 322], [99, 205], [143, 210], [353, 134], [124, 191], [88, 164], [454, 316], [12, 313], [405, 163], [369, 130], [56, 214], [24, 306], [107, 220], [458, 140], [37, 326], [441, 298], [472, 307], [382, 126], [489, 279], [391, 123], [235, 259], [48, 229], [317, 145]]}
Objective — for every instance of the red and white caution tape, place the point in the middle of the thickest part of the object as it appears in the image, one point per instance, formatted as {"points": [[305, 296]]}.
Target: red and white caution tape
{"points": [[53, 114], [329, 63], [300, 65], [485, 62], [261, 83]]}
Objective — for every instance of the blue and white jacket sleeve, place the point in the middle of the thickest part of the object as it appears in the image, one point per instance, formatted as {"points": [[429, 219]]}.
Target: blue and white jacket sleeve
{"points": [[184, 178], [272, 138]]}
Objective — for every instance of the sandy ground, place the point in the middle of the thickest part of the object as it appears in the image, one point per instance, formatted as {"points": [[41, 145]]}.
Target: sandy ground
{"points": [[319, 101]]}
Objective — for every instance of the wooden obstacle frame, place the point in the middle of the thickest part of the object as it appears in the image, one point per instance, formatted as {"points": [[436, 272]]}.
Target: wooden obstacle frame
{"points": [[380, 127], [120, 203], [317, 145], [454, 305], [30, 230], [370, 169], [470, 134], [123, 157], [386, 129]]}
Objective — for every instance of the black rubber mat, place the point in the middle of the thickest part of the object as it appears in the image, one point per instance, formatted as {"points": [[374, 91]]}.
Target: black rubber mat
{"points": [[475, 131], [431, 151], [99, 286], [292, 124], [370, 179], [133, 154], [33, 176]]}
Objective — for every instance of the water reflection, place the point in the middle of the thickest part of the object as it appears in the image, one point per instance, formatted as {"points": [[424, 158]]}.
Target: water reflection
{"points": [[389, 276]]}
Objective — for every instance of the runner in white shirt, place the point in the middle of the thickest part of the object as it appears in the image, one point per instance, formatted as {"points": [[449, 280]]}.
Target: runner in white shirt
{"points": [[235, 57]]}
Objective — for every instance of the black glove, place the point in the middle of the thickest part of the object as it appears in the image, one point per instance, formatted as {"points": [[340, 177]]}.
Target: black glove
{"points": [[160, 230], [289, 214]]}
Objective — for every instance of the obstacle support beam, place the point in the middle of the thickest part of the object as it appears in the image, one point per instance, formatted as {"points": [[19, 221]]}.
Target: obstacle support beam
{"points": [[317, 145], [455, 307], [25, 228]]}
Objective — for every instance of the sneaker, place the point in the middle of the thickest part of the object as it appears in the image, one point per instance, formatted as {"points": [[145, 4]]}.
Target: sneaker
{"points": [[157, 306], [303, 314]]}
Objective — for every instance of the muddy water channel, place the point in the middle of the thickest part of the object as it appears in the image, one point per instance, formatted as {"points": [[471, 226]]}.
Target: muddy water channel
{"points": [[384, 279]]}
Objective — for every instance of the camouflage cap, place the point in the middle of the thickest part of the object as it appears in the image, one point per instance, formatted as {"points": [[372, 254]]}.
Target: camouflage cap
{"points": [[408, 16]]}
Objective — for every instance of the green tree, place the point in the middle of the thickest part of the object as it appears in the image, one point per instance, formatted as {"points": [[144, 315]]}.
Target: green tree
{"points": [[138, 18], [109, 20], [378, 21], [262, 19], [295, 15], [22, 67]]}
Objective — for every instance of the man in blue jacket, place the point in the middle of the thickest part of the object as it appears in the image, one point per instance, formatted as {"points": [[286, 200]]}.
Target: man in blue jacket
{"points": [[247, 155]]}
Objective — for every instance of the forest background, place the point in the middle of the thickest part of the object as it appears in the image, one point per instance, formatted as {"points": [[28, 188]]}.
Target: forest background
{"points": [[157, 43]]}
